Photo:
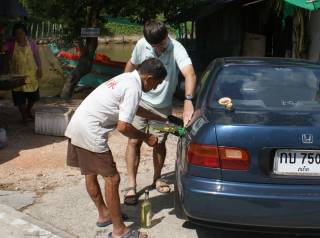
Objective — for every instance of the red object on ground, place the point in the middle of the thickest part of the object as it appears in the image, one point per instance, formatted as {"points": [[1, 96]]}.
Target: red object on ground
{"points": [[99, 59]]}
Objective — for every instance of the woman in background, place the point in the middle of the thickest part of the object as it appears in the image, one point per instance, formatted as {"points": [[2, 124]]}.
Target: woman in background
{"points": [[24, 60]]}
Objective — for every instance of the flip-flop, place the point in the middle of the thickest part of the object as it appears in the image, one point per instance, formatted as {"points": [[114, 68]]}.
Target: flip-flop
{"points": [[104, 224], [162, 184], [131, 234], [131, 200], [109, 222]]}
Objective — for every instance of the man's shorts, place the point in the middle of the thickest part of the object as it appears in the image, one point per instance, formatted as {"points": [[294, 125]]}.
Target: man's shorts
{"points": [[91, 163], [144, 124], [20, 98]]}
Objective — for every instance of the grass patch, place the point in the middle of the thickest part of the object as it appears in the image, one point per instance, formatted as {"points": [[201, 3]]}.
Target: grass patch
{"points": [[114, 29]]}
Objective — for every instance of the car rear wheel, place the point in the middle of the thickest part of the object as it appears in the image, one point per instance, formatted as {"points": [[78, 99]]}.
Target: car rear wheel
{"points": [[177, 204]]}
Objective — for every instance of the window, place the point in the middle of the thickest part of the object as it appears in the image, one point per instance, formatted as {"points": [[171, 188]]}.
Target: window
{"points": [[271, 87]]}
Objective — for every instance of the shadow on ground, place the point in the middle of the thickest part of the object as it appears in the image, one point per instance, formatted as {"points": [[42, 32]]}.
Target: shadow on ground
{"points": [[20, 136], [208, 232], [159, 203]]}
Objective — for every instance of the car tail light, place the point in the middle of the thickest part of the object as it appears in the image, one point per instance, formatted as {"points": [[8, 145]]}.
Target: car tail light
{"points": [[234, 158], [218, 157], [203, 155]]}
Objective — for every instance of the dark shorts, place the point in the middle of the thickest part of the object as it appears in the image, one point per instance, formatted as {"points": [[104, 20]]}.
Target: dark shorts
{"points": [[91, 163], [20, 98]]}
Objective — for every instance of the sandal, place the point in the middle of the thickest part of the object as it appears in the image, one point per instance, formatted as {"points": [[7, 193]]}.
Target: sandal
{"points": [[131, 234], [161, 186], [109, 222], [131, 200]]}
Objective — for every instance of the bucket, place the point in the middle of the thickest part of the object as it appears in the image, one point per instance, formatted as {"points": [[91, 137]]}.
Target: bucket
{"points": [[3, 138]]}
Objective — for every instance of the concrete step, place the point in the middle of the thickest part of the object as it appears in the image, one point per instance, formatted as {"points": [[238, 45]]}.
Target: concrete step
{"points": [[15, 224]]}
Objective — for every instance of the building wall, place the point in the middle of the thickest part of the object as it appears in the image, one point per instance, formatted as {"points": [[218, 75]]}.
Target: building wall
{"points": [[219, 35]]}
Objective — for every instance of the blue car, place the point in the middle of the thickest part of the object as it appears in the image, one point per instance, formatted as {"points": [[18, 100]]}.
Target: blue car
{"points": [[251, 154]]}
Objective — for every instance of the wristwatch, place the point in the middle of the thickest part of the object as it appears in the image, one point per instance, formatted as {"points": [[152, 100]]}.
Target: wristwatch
{"points": [[188, 97]]}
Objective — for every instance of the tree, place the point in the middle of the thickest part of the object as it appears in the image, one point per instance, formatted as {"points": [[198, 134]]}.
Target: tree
{"points": [[88, 47], [174, 11], [73, 15]]}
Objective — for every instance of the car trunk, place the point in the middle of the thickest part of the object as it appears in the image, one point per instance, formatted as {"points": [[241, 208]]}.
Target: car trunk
{"points": [[262, 134]]}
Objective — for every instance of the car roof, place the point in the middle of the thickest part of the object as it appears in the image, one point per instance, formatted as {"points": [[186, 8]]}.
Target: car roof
{"points": [[268, 61]]}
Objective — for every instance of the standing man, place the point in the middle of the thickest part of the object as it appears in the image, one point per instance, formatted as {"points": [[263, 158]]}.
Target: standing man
{"points": [[156, 43], [112, 105]]}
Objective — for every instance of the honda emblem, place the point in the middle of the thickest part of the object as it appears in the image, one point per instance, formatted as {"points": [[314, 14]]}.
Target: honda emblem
{"points": [[307, 138]]}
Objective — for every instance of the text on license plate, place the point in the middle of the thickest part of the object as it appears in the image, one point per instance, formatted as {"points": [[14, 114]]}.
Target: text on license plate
{"points": [[297, 162]]}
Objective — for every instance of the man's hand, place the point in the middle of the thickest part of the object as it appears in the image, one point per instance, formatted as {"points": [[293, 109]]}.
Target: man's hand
{"points": [[187, 112], [151, 140]]}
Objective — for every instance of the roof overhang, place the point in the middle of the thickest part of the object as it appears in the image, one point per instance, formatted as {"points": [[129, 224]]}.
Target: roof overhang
{"points": [[207, 7]]}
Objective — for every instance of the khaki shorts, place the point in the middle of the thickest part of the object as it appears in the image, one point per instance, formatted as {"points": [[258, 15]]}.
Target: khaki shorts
{"points": [[143, 124], [91, 163]]}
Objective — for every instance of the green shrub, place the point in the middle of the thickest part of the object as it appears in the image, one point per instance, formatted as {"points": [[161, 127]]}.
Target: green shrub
{"points": [[112, 29]]}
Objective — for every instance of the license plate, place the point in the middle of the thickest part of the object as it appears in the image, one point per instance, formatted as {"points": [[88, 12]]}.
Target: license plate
{"points": [[297, 162]]}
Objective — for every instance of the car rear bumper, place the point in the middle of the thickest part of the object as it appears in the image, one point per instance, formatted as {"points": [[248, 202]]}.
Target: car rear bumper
{"points": [[265, 205]]}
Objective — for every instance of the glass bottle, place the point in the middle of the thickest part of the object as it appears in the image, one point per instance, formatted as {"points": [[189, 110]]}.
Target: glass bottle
{"points": [[146, 211], [170, 128]]}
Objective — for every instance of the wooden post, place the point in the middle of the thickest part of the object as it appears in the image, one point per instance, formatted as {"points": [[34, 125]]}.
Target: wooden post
{"points": [[192, 30], [60, 30], [42, 30], [87, 52], [31, 30], [54, 30], [37, 31], [48, 30]]}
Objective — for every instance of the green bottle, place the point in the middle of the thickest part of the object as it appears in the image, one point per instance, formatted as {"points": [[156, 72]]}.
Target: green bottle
{"points": [[170, 128], [146, 211]]}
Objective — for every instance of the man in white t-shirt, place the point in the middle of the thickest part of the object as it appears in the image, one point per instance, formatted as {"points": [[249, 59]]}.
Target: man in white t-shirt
{"points": [[157, 44], [112, 105]]}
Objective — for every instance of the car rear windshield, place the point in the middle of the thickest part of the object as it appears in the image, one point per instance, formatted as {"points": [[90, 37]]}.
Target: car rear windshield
{"points": [[268, 87]]}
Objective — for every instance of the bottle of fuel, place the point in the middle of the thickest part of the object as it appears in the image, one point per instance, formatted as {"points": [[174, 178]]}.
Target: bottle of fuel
{"points": [[170, 128], [175, 126], [146, 211]]}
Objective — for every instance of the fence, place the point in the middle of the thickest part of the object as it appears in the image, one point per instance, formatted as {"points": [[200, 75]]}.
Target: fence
{"points": [[44, 32]]}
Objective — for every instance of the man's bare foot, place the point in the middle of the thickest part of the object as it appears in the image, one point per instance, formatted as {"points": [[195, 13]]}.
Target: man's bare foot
{"points": [[131, 197], [161, 186]]}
